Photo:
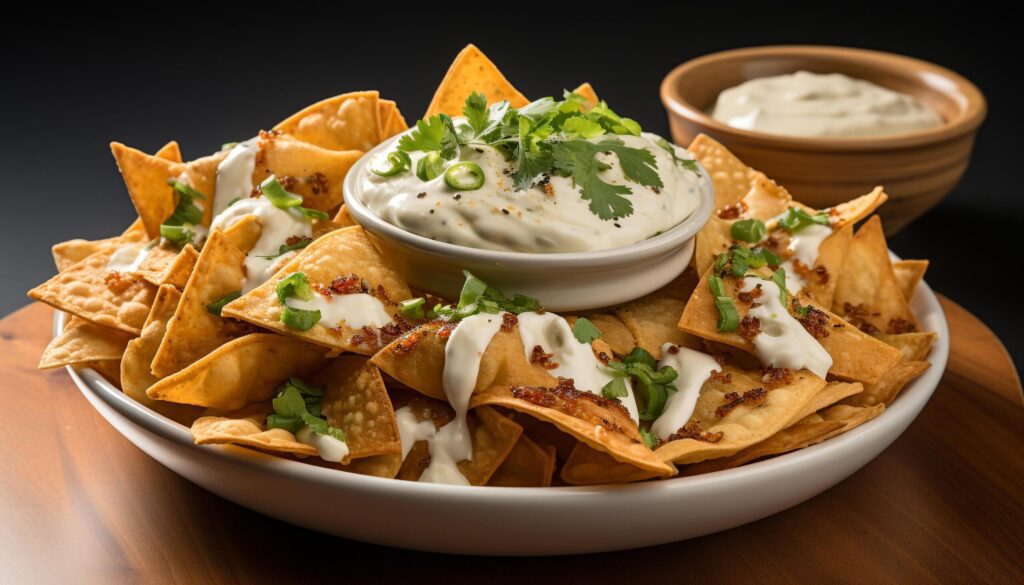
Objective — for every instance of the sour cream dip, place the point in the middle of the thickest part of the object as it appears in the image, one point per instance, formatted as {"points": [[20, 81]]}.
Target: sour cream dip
{"points": [[821, 105]]}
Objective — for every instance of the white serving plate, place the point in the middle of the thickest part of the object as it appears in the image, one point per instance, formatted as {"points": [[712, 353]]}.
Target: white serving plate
{"points": [[517, 521]]}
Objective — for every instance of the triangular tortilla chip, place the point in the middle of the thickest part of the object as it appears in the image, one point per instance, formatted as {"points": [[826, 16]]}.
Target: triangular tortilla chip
{"points": [[339, 253], [654, 318], [67, 253], [194, 331], [586, 91], [175, 270], [613, 332], [91, 291], [527, 465], [914, 346], [391, 120], [735, 411], [855, 355], [909, 273], [889, 386], [472, 71], [135, 374], [240, 372], [170, 151], [730, 177], [868, 294], [146, 177], [247, 428], [82, 341], [356, 401], [350, 121], [315, 173]]}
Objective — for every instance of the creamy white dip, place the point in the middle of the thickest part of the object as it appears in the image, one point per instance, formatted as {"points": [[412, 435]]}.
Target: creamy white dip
{"points": [[329, 448], [546, 218], [355, 310], [821, 105], [783, 342], [693, 369], [129, 257]]}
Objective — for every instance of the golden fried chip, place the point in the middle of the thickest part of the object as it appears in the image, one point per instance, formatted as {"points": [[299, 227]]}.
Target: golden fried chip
{"points": [[67, 253], [314, 173], [613, 332], [736, 411], [730, 177], [135, 373], [339, 253], [109, 369], [146, 177], [385, 466], [868, 294], [909, 273], [588, 466], [654, 318], [832, 393], [391, 120], [91, 291], [890, 384], [851, 416], [194, 331], [176, 271], [240, 372], [586, 91], [527, 465], [356, 401], [472, 72], [350, 121], [914, 346], [248, 429], [855, 355], [82, 341], [344, 217]]}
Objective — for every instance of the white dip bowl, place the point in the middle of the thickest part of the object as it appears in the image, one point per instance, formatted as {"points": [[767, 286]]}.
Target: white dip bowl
{"points": [[562, 281]]}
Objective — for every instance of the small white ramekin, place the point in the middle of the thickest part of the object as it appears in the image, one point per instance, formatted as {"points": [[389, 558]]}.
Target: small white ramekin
{"points": [[571, 281]]}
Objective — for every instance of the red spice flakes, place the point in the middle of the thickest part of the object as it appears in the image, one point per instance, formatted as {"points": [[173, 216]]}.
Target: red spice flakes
{"points": [[347, 284], [775, 377], [382, 295], [604, 358], [542, 359], [733, 400], [749, 296], [288, 182], [408, 341], [857, 316], [367, 336], [817, 274], [445, 330], [118, 282], [778, 242], [394, 330], [566, 398], [816, 322], [322, 290], [720, 377], [750, 327], [509, 322], [732, 211], [292, 240], [900, 325], [693, 431]]}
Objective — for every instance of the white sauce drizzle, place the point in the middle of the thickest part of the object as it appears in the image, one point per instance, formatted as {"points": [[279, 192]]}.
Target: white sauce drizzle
{"points": [[575, 360], [234, 174], [783, 342], [129, 257], [330, 449], [805, 245], [412, 430], [694, 368], [277, 226], [357, 310]]}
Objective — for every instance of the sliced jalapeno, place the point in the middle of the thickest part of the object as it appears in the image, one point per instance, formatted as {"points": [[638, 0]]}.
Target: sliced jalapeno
{"points": [[398, 162], [464, 176], [430, 166]]}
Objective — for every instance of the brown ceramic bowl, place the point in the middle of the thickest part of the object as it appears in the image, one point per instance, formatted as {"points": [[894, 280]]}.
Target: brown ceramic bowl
{"points": [[917, 169]]}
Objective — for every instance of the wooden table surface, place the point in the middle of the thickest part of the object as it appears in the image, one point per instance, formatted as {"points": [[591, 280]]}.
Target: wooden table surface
{"points": [[80, 504]]}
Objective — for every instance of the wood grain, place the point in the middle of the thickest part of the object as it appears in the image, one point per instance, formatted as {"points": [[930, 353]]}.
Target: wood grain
{"points": [[80, 504], [978, 355]]}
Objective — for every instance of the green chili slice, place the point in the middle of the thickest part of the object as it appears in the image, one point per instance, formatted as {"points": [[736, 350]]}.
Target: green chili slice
{"points": [[464, 176]]}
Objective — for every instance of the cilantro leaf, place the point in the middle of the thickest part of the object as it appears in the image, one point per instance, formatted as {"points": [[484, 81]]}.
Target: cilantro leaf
{"points": [[585, 331], [690, 165], [436, 133], [476, 112], [577, 159], [638, 164]]}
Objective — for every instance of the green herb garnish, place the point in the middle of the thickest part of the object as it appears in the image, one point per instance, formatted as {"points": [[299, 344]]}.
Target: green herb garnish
{"points": [[285, 248], [650, 439], [413, 308], [478, 297], [616, 388], [690, 165], [430, 166], [748, 230], [298, 404], [779, 278], [653, 385], [296, 285], [216, 306], [794, 220], [728, 316], [282, 199], [398, 162], [585, 331], [464, 176], [179, 228]]}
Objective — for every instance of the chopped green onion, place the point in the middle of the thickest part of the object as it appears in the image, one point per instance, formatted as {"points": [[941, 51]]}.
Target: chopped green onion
{"points": [[616, 388], [178, 227], [298, 404], [178, 234], [464, 176], [277, 195], [794, 219], [430, 166], [399, 162], [477, 297], [779, 278], [313, 213], [650, 439], [653, 384], [728, 316], [748, 230], [413, 308], [294, 285], [299, 319], [216, 306], [585, 331], [285, 248]]}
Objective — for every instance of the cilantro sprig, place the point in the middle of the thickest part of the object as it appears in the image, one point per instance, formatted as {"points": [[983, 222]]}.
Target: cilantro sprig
{"points": [[298, 404]]}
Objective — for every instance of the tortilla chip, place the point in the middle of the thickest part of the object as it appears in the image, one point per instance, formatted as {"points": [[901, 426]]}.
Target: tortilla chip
{"points": [[586, 91], [736, 411], [527, 465], [82, 341], [194, 331], [135, 373], [613, 332], [890, 385], [654, 318], [588, 466], [356, 401], [867, 293], [314, 173], [350, 121], [344, 217], [857, 209], [246, 370], [851, 416], [176, 271], [914, 346], [109, 369], [341, 252], [391, 120], [67, 253], [494, 437], [170, 151], [909, 273], [146, 177], [386, 466], [802, 434], [83, 290], [248, 429], [855, 355], [730, 177], [472, 72]]}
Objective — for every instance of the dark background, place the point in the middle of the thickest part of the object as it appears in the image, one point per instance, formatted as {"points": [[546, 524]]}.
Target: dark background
{"points": [[189, 76]]}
